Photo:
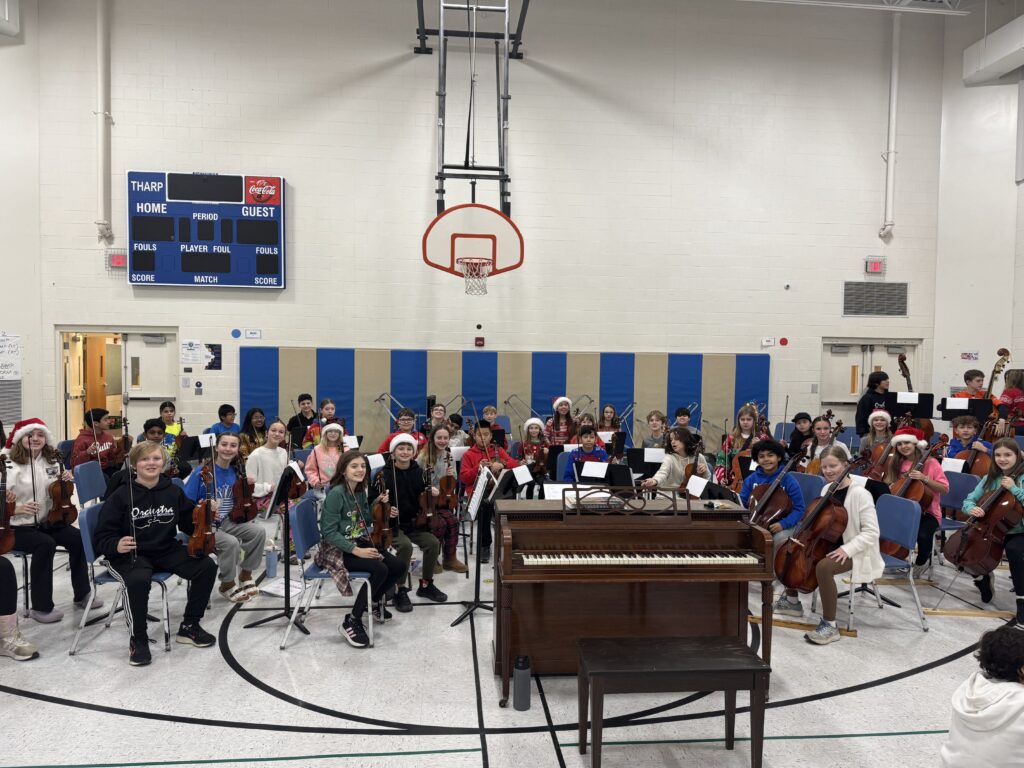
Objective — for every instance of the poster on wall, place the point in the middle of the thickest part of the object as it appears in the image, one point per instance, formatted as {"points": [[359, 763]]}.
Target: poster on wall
{"points": [[212, 355], [10, 357], [191, 352]]}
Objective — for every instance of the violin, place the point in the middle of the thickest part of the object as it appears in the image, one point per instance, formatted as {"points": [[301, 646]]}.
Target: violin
{"points": [[814, 465], [425, 513], [692, 467], [181, 437], [770, 503], [298, 488], [976, 462], [125, 442], [6, 512], [977, 548], [202, 541], [991, 431], [915, 490], [61, 508], [245, 507], [925, 425], [382, 533], [760, 428], [448, 485]]}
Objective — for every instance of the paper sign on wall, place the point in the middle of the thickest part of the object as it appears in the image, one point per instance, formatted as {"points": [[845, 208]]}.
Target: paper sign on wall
{"points": [[192, 352], [10, 357]]}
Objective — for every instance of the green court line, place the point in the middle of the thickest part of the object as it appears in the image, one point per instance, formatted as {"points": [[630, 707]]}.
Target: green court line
{"points": [[766, 738], [252, 759]]}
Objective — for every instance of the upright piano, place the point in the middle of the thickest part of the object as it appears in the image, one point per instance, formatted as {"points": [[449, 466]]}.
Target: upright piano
{"points": [[648, 568]]}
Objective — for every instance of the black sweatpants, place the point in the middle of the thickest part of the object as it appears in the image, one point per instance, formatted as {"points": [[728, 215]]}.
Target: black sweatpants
{"points": [[8, 588], [201, 573], [41, 543], [926, 538], [384, 574], [1015, 557], [483, 518]]}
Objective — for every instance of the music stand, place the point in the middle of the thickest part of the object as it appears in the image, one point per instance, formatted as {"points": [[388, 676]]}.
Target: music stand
{"points": [[553, 452], [475, 501], [617, 475], [922, 409], [635, 461], [979, 408], [281, 497]]}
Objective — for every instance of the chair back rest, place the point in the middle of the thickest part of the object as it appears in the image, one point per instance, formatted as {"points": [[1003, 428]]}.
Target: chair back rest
{"points": [[898, 519], [560, 462], [810, 485], [302, 454], [305, 530], [503, 421], [178, 482], [513, 448], [850, 439], [65, 446], [90, 482], [960, 486], [87, 518]]}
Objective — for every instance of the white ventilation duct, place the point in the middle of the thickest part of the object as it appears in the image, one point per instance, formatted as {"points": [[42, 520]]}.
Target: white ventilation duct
{"points": [[10, 17], [995, 55]]}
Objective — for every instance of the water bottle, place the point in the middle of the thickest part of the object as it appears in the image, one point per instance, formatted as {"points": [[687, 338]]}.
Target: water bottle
{"points": [[521, 684], [271, 564]]}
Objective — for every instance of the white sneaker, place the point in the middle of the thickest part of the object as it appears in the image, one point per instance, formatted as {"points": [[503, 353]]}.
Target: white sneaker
{"points": [[47, 617], [823, 634], [17, 647], [786, 607]]}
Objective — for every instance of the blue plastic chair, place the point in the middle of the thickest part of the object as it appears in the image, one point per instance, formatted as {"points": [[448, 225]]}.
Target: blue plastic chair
{"points": [[1020, 440], [850, 439], [65, 446], [777, 432], [560, 461], [178, 482], [87, 523], [810, 486], [302, 454], [306, 535], [898, 522], [90, 482], [787, 431], [960, 487], [513, 448], [505, 423]]}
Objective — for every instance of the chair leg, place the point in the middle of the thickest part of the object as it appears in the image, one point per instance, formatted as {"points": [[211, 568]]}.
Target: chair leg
{"points": [[165, 617], [369, 602], [113, 607], [306, 590], [25, 581], [917, 602], [85, 618], [814, 601], [851, 602]]}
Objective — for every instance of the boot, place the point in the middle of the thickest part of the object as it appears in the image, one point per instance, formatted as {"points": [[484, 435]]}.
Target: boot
{"points": [[12, 643], [438, 568], [455, 565]]}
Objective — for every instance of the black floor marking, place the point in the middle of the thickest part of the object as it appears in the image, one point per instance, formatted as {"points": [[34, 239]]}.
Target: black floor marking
{"points": [[551, 725]]}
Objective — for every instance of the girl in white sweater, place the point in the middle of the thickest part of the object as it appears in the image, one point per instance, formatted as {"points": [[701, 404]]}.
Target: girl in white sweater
{"points": [[681, 451], [859, 550], [266, 464]]}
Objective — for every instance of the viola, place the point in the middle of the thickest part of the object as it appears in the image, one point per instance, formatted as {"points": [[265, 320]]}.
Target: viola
{"points": [[925, 425], [6, 512], [244, 509], [61, 508], [770, 503], [977, 548], [915, 490], [202, 541], [382, 533], [448, 485]]}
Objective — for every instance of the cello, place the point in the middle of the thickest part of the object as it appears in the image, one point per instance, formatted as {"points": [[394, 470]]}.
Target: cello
{"points": [[916, 490], [6, 512], [770, 503], [202, 541], [991, 431], [977, 548], [61, 508], [925, 425], [975, 462]]}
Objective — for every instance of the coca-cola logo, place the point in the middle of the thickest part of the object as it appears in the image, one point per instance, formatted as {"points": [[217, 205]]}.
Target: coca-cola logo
{"points": [[263, 190]]}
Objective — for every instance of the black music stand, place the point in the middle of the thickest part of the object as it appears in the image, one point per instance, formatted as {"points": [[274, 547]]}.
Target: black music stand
{"points": [[553, 452], [617, 475], [635, 460], [281, 497], [481, 482], [923, 409], [979, 408]]}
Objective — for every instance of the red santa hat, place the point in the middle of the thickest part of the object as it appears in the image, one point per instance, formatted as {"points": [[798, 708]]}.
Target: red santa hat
{"points": [[397, 440], [530, 422], [558, 400], [880, 413], [910, 435], [26, 426]]}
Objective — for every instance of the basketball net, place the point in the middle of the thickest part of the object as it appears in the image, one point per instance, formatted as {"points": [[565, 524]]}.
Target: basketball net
{"points": [[475, 270]]}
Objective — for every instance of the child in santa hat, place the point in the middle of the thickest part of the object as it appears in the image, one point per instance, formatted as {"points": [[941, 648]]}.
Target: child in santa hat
{"points": [[560, 428]]}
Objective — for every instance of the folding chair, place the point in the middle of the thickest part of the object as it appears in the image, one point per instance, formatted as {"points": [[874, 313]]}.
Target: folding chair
{"points": [[306, 534], [898, 522], [90, 482], [301, 454], [810, 485], [960, 487], [65, 446], [560, 463]]}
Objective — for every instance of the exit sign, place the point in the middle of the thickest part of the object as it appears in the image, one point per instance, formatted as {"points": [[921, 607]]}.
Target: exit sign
{"points": [[874, 265]]}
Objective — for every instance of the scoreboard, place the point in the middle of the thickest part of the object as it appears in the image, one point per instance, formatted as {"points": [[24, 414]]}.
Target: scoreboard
{"points": [[205, 229]]}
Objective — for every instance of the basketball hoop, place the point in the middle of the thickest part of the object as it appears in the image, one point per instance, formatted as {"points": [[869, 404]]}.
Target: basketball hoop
{"points": [[475, 269]]}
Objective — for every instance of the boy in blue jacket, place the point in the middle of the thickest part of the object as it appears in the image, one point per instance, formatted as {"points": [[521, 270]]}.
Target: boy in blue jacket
{"points": [[588, 451], [965, 437], [769, 456]]}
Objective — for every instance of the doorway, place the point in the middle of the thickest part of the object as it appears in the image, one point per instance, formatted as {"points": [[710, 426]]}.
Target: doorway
{"points": [[847, 363]]}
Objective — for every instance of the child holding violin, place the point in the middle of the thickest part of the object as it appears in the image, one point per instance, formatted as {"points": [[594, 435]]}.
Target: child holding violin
{"points": [[858, 552], [136, 534], [403, 479], [346, 522], [560, 428], [266, 464], [879, 423], [171, 427], [682, 452], [533, 449], [821, 429], [656, 423], [254, 431], [153, 432], [324, 458], [438, 466], [12, 644], [484, 453], [802, 433], [911, 447], [95, 443], [742, 437], [33, 466], [315, 430], [227, 490], [303, 419], [1006, 455]]}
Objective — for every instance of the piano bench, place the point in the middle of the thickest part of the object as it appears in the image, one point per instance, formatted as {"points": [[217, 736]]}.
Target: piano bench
{"points": [[671, 665]]}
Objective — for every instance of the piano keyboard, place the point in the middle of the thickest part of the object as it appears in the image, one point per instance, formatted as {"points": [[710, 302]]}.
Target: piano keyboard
{"points": [[642, 558]]}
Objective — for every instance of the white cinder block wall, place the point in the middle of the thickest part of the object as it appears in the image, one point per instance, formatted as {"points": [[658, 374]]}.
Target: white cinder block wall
{"points": [[679, 160]]}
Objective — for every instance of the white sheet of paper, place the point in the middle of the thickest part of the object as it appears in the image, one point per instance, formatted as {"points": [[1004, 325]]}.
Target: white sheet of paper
{"points": [[207, 440], [654, 455], [953, 465], [522, 474], [570, 447], [696, 485], [375, 460], [606, 436], [957, 403], [753, 465], [860, 480], [297, 470], [910, 398], [459, 452], [351, 442], [594, 469]]}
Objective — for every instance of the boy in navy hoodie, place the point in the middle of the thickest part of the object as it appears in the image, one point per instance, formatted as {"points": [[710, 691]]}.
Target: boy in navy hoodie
{"points": [[769, 455], [588, 451], [965, 437]]}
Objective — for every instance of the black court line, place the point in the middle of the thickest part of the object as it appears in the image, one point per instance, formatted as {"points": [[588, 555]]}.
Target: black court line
{"points": [[479, 694], [551, 725]]}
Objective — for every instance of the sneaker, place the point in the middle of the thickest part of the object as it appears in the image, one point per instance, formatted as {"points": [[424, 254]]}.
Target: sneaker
{"points": [[47, 617], [381, 612], [97, 603], [17, 647], [438, 568], [917, 572], [485, 554], [352, 630], [455, 565], [193, 634], [138, 652], [823, 634], [787, 607], [984, 585], [402, 602], [430, 592]]}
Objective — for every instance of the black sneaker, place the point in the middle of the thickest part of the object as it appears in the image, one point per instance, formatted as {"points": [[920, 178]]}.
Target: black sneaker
{"points": [[380, 612], [984, 585], [193, 634], [429, 591], [402, 602], [352, 630], [485, 554], [138, 652]]}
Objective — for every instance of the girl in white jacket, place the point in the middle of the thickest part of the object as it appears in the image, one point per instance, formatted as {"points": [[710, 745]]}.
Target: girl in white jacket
{"points": [[859, 550], [266, 464], [987, 727]]}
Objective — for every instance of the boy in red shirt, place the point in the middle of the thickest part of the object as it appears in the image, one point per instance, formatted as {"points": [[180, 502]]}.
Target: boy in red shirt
{"points": [[95, 443], [495, 459]]}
